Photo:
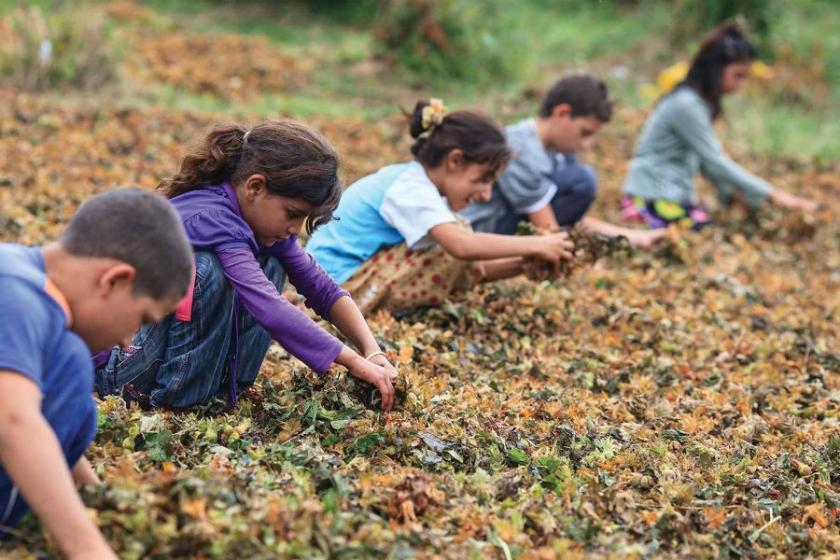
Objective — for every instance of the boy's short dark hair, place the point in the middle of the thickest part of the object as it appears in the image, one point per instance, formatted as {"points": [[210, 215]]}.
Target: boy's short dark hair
{"points": [[584, 93], [139, 228]]}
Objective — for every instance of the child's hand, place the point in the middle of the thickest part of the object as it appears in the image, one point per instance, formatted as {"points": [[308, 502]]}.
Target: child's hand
{"points": [[791, 201], [382, 360], [84, 475], [378, 376], [97, 553], [645, 239], [552, 247]]}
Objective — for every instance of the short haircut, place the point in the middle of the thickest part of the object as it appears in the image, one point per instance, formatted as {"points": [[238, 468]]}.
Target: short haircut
{"points": [[584, 93], [139, 228]]}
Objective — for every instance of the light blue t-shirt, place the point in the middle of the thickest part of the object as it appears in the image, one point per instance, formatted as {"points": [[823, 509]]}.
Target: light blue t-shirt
{"points": [[398, 203]]}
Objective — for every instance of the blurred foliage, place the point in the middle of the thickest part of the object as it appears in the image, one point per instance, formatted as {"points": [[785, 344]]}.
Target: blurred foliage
{"points": [[65, 45], [484, 41], [345, 10], [445, 39], [696, 17]]}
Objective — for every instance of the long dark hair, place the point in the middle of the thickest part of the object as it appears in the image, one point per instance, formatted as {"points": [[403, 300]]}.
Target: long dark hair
{"points": [[296, 161], [727, 44], [472, 132]]}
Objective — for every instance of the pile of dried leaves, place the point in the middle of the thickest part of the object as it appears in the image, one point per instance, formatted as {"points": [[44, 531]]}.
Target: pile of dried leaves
{"points": [[681, 402], [232, 67]]}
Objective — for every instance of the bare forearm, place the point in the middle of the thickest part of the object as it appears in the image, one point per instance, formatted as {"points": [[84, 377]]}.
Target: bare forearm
{"points": [[490, 246], [346, 316], [84, 475], [32, 456], [598, 226], [544, 218], [500, 269]]}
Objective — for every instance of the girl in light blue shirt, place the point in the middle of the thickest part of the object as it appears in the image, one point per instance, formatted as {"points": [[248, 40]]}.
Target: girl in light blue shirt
{"points": [[398, 243]]}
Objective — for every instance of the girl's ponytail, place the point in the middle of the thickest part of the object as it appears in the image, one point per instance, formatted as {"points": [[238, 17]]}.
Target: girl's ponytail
{"points": [[415, 119], [296, 161], [438, 132], [210, 162]]}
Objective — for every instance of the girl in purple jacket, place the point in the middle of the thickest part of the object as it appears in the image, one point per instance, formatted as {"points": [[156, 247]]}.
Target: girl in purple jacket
{"points": [[243, 196]]}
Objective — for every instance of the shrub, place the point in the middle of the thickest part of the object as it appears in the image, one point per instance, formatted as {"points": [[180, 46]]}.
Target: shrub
{"points": [[695, 17], [442, 39], [67, 46]]}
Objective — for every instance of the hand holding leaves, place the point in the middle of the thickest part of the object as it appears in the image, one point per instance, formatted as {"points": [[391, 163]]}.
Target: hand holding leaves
{"points": [[378, 376]]}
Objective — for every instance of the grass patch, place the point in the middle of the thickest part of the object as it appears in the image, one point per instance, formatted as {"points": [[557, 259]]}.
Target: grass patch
{"points": [[625, 43]]}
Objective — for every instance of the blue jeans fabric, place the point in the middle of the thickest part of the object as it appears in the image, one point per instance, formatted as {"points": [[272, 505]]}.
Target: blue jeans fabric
{"points": [[71, 414], [576, 187], [177, 364]]}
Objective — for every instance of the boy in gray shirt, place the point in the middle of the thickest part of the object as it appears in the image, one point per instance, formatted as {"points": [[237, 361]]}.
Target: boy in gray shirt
{"points": [[544, 182]]}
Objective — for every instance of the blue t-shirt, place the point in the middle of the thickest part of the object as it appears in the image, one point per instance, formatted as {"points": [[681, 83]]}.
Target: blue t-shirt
{"points": [[398, 203], [35, 341]]}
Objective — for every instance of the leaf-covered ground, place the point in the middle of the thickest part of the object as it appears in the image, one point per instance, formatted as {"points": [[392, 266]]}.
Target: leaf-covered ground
{"points": [[677, 403]]}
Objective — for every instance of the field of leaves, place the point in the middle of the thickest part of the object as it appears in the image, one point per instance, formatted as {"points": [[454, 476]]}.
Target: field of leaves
{"points": [[683, 402], [679, 402]]}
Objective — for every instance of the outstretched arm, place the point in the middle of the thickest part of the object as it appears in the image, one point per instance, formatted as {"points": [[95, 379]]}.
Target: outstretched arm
{"points": [[350, 321], [785, 199], [499, 269], [642, 238], [31, 454], [469, 246], [545, 219]]}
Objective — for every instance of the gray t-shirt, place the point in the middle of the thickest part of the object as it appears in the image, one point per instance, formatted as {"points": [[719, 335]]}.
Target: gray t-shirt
{"points": [[524, 186], [677, 142]]}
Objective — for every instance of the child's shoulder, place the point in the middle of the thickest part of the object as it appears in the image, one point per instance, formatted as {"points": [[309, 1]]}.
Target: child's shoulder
{"points": [[525, 143], [411, 179], [390, 174], [383, 180], [682, 99], [522, 133], [26, 294], [22, 264]]}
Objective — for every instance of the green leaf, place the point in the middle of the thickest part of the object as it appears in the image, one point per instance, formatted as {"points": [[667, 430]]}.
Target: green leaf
{"points": [[518, 457]]}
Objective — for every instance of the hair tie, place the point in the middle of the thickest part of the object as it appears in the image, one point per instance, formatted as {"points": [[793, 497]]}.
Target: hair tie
{"points": [[245, 137], [432, 116]]}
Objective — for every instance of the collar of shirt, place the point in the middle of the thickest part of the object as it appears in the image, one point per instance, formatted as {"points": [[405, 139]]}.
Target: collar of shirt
{"points": [[233, 201], [546, 158], [227, 188]]}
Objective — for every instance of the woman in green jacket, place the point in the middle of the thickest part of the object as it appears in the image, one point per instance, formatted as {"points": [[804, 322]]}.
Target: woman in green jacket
{"points": [[678, 141]]}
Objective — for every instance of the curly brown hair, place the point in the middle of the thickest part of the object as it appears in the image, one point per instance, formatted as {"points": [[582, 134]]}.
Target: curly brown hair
{"points": [[296, 161]]}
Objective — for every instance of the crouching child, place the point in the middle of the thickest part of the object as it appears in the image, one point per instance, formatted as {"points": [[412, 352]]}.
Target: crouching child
{"points": [[123, 260]]}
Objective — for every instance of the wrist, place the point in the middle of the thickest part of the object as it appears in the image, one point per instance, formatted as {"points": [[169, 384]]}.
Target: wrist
{"points": [[376, 353], [93, 545], [349, 358], [532, 246], [369, 347]]}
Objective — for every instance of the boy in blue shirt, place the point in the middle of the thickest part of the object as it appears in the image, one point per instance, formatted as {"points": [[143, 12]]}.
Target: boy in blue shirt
{"points": [[123, 260], [544, 183]]}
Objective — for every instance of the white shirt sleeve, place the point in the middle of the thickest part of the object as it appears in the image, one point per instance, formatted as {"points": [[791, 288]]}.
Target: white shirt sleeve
{"points": [[413, 206]]}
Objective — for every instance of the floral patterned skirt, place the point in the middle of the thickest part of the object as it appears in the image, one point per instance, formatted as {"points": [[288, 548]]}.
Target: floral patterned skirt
{"points": [[660, 213], [398, 278]]}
